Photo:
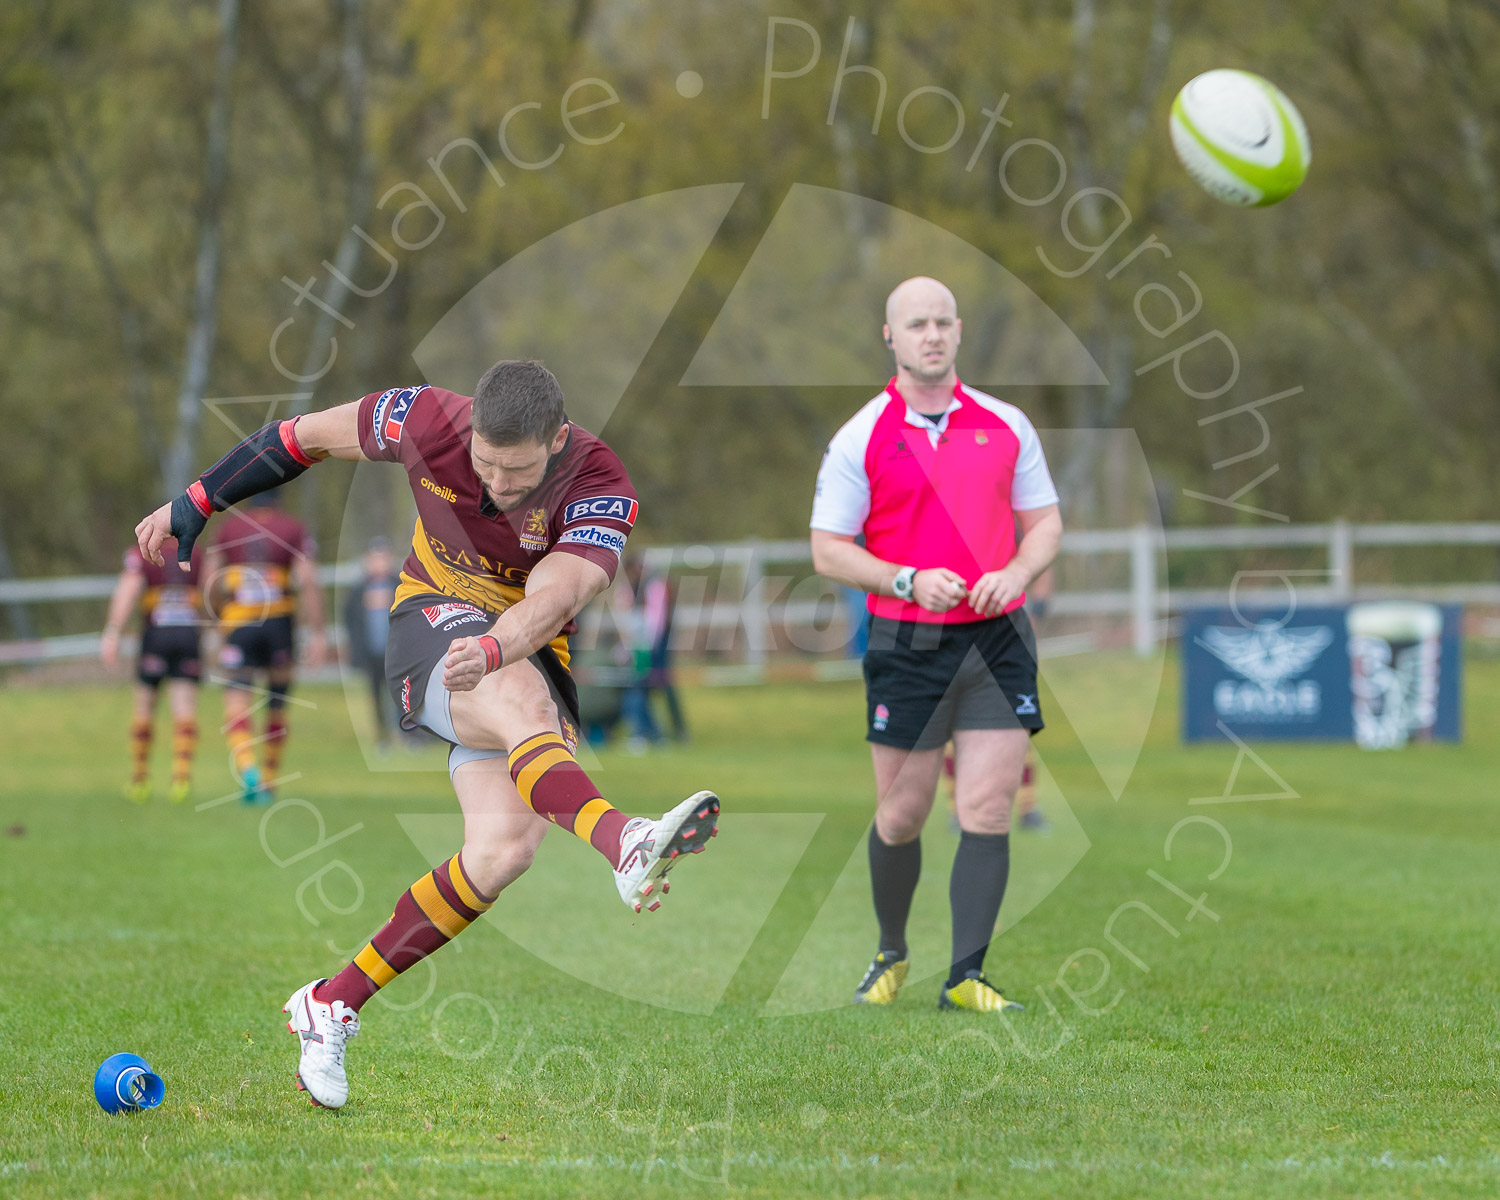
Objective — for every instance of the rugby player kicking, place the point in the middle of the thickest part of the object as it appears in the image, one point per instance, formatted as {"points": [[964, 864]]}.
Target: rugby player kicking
{"points": [[521, 520]]}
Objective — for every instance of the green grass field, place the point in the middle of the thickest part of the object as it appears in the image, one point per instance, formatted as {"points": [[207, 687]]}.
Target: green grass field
{"points": [[1328, 1029]]}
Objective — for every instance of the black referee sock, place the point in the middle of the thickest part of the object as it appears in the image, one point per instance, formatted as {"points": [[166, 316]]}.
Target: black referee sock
{"points": [[980, 870], [894, 871]]}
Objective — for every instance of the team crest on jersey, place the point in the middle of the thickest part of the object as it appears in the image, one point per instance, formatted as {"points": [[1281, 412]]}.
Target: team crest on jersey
{"points": [[391, 411], [981, 438], [613, 508], [534, 530]]}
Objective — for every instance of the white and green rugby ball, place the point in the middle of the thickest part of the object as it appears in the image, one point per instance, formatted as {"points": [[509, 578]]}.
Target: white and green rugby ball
{"points": [[1240, 138]]}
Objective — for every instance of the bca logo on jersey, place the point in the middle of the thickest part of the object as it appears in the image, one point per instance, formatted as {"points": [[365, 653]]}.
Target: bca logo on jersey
{"points": [[613, 508], [391, 411]]}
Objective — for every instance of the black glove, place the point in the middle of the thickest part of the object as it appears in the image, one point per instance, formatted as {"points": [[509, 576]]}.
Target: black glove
{"points": [[187, 524]]}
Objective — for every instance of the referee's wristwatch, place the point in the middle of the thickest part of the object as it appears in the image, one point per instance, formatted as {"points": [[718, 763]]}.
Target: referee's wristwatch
{"points": [[904, 585]]}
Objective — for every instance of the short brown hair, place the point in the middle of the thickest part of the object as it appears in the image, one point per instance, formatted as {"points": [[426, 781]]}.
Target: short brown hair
{"points": [[518, 402]]}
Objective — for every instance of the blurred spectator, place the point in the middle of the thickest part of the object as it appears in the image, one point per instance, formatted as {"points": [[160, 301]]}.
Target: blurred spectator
{"points": [[856, 604], [644, 604], [658, 602], [367, 619]]}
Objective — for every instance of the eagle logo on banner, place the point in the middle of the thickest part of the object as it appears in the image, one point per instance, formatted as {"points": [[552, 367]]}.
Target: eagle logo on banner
{"points": [[1266, 654]]}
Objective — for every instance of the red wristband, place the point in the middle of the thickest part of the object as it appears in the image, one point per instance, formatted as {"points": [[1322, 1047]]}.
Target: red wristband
{"points": [[199, 497], [491, 649], [288, 431]]}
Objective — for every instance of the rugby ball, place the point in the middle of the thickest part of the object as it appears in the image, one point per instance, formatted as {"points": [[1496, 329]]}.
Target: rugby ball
{"points": [[1240, 138]]}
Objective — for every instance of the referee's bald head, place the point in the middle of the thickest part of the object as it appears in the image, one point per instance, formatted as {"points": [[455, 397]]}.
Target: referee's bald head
{"points": [[918, 291]]}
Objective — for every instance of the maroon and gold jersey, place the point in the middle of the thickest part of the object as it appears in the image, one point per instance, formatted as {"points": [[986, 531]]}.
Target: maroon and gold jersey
{"points": [[171, 598], [463, 546], [258, 547]]}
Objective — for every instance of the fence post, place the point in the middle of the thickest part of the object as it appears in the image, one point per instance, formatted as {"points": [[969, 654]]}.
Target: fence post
{"points": [[1143, 590], [1341, 561], [756, 619]]}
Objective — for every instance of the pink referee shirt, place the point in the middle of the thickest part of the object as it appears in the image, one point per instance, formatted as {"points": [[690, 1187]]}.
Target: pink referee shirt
{"points": [[928, 495]]}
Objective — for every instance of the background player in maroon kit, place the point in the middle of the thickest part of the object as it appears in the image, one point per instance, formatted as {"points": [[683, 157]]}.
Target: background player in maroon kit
{"points": [[171, 619], [522, 518], [263, 563]]}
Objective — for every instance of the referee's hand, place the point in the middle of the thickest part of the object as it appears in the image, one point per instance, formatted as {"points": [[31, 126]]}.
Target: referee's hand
{"points": [[994, 590], [938, 589]]}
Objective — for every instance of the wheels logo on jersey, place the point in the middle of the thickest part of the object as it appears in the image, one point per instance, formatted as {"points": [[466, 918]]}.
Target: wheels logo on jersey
{"points": [[611, 508], [595, 535], [391, 411]]}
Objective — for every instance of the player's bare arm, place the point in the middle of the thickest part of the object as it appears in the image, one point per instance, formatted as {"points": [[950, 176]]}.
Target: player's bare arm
{"points": [[269, 457], [129, 589], [1041, 536], [310, 596], [840, 558], [556, 591]]}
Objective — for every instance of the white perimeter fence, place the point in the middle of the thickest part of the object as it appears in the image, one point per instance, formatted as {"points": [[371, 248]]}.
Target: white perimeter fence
{"points": [[742, 603]]}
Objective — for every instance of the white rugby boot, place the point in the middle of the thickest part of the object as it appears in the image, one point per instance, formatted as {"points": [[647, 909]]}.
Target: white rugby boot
{"points": [[323, 1029], [649, 849]]}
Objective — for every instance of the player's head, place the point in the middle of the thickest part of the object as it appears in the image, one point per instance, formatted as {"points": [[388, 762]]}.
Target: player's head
{"points": [[922, 329], [271, 498], [519, 425], [377, 562]]}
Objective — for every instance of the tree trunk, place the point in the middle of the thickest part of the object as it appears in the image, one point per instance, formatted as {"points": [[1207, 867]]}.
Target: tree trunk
{"points": [[359, 178], [204, 326]]}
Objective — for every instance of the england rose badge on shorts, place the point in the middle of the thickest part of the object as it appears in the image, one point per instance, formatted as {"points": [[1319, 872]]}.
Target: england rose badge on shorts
{"points": [[882, 718]]}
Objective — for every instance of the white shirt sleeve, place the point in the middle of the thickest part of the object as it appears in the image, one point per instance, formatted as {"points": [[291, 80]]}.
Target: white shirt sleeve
{"points": [[1031, 486], [842, 500]]}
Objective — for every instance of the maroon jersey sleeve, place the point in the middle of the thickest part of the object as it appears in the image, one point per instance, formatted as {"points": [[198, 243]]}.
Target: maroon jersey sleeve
{"points": [[390, 421], [598, 511]]}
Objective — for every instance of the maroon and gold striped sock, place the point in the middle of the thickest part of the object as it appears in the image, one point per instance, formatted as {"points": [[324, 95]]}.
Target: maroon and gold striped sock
{"points": [[241, 744], [273, 744], [429, 915], [555, 786], [140, 749], [184, 743]]}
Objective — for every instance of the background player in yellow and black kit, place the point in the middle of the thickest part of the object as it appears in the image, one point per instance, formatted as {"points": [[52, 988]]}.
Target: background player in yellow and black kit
{"points": [[171, 619], [522, 517], [261, 565]]}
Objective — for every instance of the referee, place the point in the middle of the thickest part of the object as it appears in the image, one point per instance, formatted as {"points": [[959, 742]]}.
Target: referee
{"points": [[938, 478]]}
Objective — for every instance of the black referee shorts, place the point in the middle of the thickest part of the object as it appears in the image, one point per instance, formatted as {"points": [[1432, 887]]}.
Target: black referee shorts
{"points": [[923, 681]]}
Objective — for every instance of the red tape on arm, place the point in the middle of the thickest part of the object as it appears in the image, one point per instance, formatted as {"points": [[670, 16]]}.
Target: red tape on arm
{"points": [[491, 648], [293, 447]]}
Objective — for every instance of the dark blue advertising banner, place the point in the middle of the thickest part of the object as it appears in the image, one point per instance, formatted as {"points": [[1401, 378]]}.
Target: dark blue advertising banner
{"points": [[1381, 674]]}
